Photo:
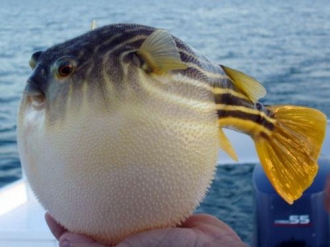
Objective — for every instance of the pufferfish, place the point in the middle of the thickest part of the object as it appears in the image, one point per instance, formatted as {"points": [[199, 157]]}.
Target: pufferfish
{"points": [[119, 131]]}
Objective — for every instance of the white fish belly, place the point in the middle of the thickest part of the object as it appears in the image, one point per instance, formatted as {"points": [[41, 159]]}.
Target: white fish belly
{"points": [[108, 176]]}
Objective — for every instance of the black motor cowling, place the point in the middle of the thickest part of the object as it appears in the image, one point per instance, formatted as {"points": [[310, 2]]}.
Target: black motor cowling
{"points": [[303, 224]]}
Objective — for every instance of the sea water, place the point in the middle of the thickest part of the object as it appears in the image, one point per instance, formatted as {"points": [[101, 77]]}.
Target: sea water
{"points": [[283, 44]]}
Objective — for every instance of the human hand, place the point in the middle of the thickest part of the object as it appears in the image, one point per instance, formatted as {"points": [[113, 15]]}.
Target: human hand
{"points": [[198, 230], [327, 195]]}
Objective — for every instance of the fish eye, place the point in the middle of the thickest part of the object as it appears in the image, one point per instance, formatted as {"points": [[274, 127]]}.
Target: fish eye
{"points": [[34, 58], [65, 66]]}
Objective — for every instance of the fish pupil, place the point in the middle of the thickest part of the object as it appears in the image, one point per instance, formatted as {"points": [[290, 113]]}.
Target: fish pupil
{"points": [[65, 66], [65, 70]]}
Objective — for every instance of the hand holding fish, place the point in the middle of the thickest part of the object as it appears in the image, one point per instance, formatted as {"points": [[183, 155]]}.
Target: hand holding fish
{"points": [[197, 230]]}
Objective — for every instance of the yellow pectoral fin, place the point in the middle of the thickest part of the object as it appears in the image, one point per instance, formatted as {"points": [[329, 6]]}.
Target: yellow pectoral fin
{"points": [[226, 146], [249, 86], [289, 154], [160, 53]]}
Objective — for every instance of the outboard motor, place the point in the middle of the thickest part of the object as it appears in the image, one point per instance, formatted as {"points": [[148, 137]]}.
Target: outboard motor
{"points": [[303, 224]]}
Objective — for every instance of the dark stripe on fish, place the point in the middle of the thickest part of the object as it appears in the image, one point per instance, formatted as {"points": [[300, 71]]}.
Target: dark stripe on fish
{"points": [[189, 58], [229, 99], [256, 118]]}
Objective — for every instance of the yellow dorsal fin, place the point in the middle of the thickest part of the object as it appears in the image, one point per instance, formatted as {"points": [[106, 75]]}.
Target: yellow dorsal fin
{"points": [[93, 25], [249, 86], [160, 53], [226, 146]]}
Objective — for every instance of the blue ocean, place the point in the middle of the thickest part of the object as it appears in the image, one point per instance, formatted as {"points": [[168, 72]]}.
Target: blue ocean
{"points": [[283, 44]]}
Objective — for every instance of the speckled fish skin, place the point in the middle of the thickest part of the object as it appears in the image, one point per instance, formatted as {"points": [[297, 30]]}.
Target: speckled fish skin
{"points": [[113, 151], [119, 129]]}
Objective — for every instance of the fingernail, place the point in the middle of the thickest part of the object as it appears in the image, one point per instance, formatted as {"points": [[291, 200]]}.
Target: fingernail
{"points": [[65, 243]]}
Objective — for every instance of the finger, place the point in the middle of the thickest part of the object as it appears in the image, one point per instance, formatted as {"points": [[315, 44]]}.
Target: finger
{"points": [[69, 239], [218, 233], [54, 227], [196, 219], [210, 225]]}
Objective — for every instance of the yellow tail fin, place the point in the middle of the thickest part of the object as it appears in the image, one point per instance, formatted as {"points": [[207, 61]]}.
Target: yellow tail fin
{"points": [[289, 154]]}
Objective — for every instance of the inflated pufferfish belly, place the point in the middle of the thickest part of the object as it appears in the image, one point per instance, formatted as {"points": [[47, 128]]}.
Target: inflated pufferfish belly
{"points": [[109, 159], [119, 128]]}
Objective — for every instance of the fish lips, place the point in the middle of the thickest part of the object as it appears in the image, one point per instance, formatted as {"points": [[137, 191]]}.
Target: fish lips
{"points": [[35, 92]]}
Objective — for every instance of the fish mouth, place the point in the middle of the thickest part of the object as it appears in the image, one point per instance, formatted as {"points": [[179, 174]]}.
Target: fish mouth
{"points": [[37, 101], [34, 95]]}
